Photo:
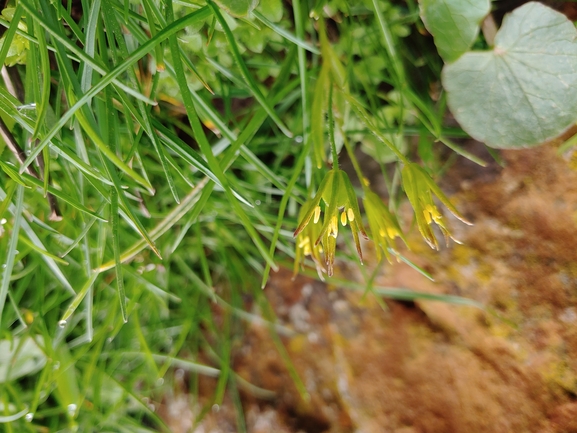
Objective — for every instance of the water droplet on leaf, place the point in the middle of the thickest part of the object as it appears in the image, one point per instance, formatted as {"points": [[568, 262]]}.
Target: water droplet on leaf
{"points": [[71, 408]]}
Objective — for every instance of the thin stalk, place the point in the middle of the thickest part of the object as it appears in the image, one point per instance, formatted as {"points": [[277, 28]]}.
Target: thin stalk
{"points": [[332, 129]]}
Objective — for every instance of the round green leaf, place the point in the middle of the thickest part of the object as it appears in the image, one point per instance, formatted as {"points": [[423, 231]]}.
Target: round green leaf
{"points": [[272, 10], [237, 8], [454, 24], [524, 91]]}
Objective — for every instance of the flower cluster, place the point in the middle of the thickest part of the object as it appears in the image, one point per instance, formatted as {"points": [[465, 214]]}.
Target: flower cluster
{"points": [[306, 244], [338, 199], [420, 189], [383, 226], [340, 203]]}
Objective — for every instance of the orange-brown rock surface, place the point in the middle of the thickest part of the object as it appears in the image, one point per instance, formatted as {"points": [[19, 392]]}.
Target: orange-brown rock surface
{"points": [[412, 367]]}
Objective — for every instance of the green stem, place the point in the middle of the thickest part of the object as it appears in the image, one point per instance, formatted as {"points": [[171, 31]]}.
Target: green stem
{"points": [[332, 129], [354, 161]]}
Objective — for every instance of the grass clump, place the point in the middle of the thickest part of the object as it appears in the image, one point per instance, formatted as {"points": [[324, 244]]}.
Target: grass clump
{"points": [[155, 156]]}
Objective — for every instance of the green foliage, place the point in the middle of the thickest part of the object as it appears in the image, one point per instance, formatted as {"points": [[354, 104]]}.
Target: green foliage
{"points": [[524, 91], [454, 24], [157, 159], [519, 93], [237, 8]]}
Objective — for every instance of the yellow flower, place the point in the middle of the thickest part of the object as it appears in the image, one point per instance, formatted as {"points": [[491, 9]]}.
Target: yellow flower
{"points": [[420, 189], [340, 203], [383, 225], [305, 245]]}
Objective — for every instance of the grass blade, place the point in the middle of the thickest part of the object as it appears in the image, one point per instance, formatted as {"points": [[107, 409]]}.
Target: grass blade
{"points": [[116, 251], [297, 40], [246, 73], [79, 297], [109, 78], [11, 252], [200, 137], [166, 224]]}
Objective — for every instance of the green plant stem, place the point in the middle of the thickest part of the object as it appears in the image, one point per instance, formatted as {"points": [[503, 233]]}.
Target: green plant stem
{"points": [[354, 160], [332, 129]]}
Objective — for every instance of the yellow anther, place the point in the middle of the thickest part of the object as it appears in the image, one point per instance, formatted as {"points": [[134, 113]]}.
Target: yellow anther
{"points": [[317, 214], [304, 242], [344, 218], [427, 215], [350, 214], [333, 226], [392, 232]]}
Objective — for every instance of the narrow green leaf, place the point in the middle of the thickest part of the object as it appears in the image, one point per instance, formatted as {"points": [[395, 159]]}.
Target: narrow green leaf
{"points": [[238, 8], [112, 25], [11, 253], [9, 35], [285, 33], [30, 244], [116, 251], [81, 55], [411, 264], [205, 147], [36, 240], [162, 227], [79, 297], [246, 73], [318, 120], [109, 78], [14, 417], [30, 180], [43, 103]]}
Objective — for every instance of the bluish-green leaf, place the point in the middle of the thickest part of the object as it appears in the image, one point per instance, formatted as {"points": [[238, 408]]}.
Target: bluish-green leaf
{"points": [[454, 24], [524, 91]]}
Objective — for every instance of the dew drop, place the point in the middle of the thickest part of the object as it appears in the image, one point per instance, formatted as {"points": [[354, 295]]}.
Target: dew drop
{"points": [[56, 365], [215, 408], [159, 381], [71, 408], [62, 323], [299, 139], [152, 407], [4, 266], [257, 202], [179, 374], [29, 417]]}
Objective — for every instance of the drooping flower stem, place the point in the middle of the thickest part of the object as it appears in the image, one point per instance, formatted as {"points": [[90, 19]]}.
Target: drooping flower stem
{"points": [[332, 129], [355, 162]]}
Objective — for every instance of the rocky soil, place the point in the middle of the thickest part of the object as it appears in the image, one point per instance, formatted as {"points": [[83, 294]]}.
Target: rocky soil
{"points": [[412, 367]]}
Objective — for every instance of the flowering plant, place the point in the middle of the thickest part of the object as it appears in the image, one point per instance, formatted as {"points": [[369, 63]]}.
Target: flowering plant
{"points": [[420, 189], [340, 203], [384, 227]]}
